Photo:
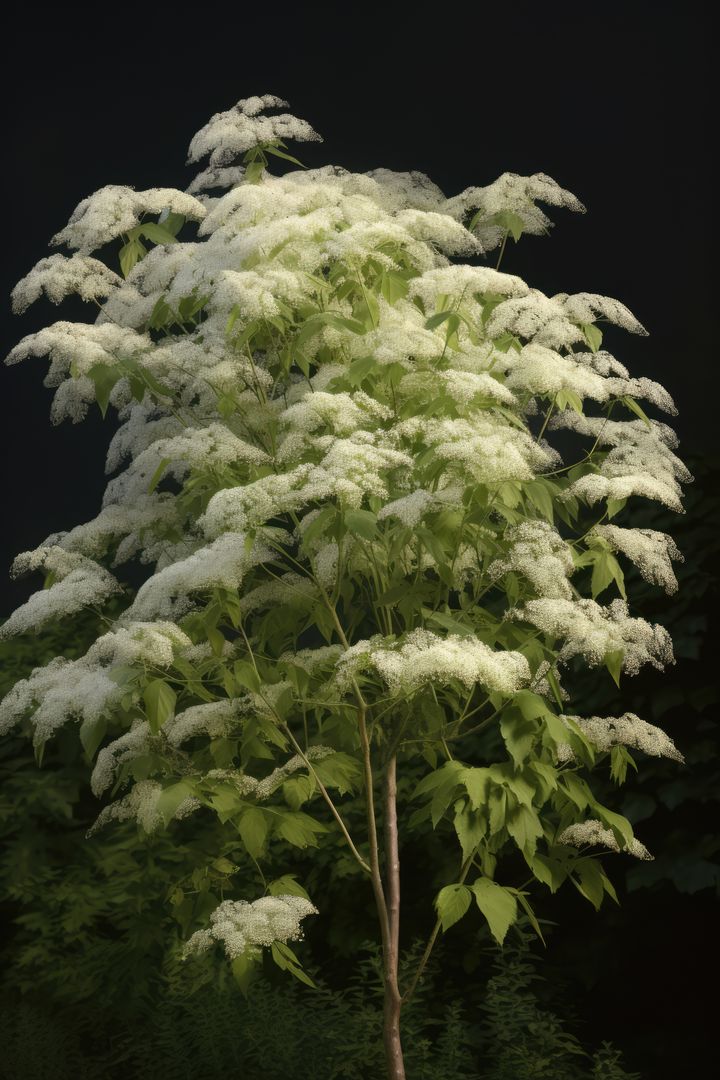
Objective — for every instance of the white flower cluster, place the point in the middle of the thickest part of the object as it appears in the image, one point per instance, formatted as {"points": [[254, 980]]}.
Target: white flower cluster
{"points": [[423, 656], [241, 925], [57, 276], [517, 195], [649, 550], [640, 460], [78, 582], [141, 805], [114, 210], [625, 730], [230, 133], [593, 832], [537, 552], [592, 630], [83, 689], [224, 562]]}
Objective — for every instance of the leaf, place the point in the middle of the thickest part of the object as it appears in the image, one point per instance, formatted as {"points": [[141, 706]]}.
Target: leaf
{"points": [[524, 826], [614, 662], [476, 781], [286, 886], [172, 223], [104, 377], [159, 700], [512, 222], [540, 497], [299, 829], [590, 884], [339, 771], [318, 525], [92, 732], [286, 959], [633, 406], [361, 523], [359, 369], [253, 830], [470, 827], [244, 969], [129, 254], [157, 474], [497, 904], [171, 797], [157, 233], [518, 733], [451, 904], [281, 154], [246, 675], [593, 335]]}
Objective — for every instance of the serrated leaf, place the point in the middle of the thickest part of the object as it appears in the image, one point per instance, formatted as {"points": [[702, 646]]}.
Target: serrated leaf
{"points": [[159, 699], [497, 904], [451, 903], [104, 377], [253, 828], [171, 797], [286, 886], [361, 523]]}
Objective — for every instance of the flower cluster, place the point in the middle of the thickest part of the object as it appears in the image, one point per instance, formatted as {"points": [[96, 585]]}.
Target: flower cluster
{"points": [[240, 925]]}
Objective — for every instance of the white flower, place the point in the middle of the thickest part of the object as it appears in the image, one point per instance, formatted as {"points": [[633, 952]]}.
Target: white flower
{"points": [[240, 925], [230, 133], [114, 209], [57, 276], [592, 832], [79, 582]]}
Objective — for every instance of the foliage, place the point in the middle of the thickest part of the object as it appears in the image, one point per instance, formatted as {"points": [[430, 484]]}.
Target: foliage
{"points": [[347, 467], [281, 1033]]}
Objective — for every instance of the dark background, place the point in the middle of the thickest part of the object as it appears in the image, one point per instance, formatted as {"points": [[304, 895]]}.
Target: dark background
{"points": [[613, 101]]}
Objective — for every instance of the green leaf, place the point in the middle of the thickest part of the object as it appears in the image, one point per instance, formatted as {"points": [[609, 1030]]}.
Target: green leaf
{"points": [[476, 781], [244, 969], [360, 368], [171, 223], [470, 827], [287, 157], [159, 700], [158, 474], [590, 884], [299, 829], [253, 830], [130, 254], [246, 675], [497, 904], [633, 406], [286, 959], [593, 335], [104, 377], [524, 826], [171, 797], [614, 662], [286, 886], [92, 732], [339, 771], [361, 523], [318, 525], [518, 733], [512, 222], [451, 904], [157, 233]]}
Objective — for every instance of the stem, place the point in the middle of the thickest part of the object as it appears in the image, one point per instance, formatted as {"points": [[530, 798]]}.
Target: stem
{"points": [[432, 939], [393, 1001]]}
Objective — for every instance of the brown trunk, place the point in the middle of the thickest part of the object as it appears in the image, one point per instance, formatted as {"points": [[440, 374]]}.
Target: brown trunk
{"points": [[391, 1025]]}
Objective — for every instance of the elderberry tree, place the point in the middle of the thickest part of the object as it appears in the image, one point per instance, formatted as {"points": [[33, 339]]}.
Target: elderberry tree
{"points": [[339, 456]]}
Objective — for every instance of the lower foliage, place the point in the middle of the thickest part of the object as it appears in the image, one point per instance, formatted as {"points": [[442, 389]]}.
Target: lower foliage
{"points": [[200, 1027]]}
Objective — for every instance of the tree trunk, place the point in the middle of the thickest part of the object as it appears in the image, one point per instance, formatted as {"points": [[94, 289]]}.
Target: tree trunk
{"points": [[391, 1025]]}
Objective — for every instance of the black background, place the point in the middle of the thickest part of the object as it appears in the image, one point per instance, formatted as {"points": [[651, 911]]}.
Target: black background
{"points": [[613, 101]]}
